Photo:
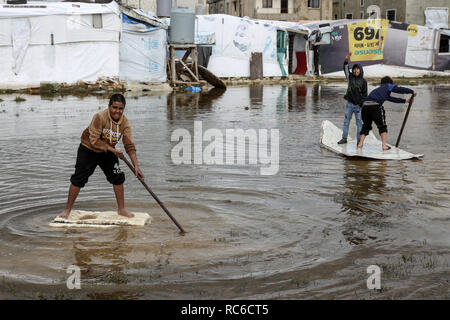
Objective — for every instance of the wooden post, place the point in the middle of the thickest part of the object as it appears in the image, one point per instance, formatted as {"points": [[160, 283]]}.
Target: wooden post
{"points": [[191, 50], [256, 66], [172, 62]]}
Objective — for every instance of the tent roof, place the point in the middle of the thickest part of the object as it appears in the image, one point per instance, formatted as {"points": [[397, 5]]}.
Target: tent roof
{"points": [[56, 8], [141, 16]]}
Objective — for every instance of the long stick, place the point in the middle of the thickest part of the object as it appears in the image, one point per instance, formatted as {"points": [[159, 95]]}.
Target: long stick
{"points": [[154, 195], [404, 120]]}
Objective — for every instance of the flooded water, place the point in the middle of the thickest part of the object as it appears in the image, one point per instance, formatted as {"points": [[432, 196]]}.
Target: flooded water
{"points": [[309, 231]]}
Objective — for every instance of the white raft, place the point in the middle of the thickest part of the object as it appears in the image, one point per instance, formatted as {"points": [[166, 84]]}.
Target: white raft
{"points": [[330, 135], [100, 219]]}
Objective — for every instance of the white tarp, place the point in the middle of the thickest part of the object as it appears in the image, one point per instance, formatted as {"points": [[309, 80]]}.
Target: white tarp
{"points": [[236, 38], [58, 42], [436, 18], [143, 53], [419, 52], [381, 70], [39, 8], [67, 62], [21, 34]]}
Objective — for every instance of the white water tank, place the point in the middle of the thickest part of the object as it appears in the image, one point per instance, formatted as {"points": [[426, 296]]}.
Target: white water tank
{"points": [[163, 8], [182, 25]]}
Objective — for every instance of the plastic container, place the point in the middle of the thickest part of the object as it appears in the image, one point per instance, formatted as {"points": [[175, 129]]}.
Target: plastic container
{"points": [[182, 25]]}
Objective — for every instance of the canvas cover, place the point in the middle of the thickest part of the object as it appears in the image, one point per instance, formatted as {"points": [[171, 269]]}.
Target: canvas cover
{"points": [[143, 52], [58, 42], [235, 39], [436, 18]]}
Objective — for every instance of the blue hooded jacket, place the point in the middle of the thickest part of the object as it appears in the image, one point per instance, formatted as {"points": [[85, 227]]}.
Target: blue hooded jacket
{"points": [[383, 93]]}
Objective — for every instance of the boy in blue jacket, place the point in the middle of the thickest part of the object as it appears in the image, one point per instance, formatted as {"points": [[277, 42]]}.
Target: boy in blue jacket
{"points": [[373, 110]]}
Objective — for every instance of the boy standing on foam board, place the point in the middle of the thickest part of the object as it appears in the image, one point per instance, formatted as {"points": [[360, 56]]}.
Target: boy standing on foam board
{"points": [[373, 109], [356, 92], [97, 147]]}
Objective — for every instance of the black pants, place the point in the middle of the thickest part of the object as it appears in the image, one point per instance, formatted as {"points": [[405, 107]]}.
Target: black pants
{"points": [[87, 161], [376, 114]]}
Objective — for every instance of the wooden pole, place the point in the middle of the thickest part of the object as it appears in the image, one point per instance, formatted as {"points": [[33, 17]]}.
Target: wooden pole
{"points": [[404, 121], [154, 195]]}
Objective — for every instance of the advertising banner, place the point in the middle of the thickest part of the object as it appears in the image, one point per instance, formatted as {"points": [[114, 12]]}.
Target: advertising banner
{"points": [[366, 39]]}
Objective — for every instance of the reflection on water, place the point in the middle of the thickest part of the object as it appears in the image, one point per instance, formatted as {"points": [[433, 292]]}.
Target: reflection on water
{"points": [[251, 235]]}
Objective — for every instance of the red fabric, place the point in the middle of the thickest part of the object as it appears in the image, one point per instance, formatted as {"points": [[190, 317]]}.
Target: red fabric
{"points": [[301, 63]]}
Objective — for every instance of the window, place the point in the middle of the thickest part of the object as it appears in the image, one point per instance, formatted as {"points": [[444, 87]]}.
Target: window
{"points": [[361, 14], [444, 44], [390, 15], [267, 3], [348, 16], [228, 8], [284, 6], [97, 21], [361, 3], [314, 4]]}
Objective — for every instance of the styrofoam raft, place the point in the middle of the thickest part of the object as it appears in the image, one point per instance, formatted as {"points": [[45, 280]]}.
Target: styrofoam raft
{"points": [[100, 219], [330, 135]]}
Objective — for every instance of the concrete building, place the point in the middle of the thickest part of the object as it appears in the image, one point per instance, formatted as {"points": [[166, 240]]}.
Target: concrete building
{"points": [[286, 10], [409, 11], [151, 5]]}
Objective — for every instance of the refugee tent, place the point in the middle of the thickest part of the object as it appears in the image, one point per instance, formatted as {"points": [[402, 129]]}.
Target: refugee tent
{"points": [[383, 42], [143, 50], [58, 42], [237, 38], [299, 49]]}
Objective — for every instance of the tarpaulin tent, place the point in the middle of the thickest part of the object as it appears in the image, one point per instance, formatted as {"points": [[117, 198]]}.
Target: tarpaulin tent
{"points": [[143, 51], [235, 40], [58, 42]]}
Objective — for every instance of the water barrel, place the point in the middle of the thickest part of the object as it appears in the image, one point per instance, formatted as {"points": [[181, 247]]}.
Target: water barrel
{"points": [[182, 25], [163, 8]]}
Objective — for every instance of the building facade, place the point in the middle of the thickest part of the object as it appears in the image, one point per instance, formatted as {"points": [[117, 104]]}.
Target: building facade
{"points": [[409, 11], [285, 10]]}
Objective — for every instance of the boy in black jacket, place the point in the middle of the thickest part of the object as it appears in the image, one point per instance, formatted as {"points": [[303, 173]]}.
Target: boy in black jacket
{"points": [[356, 92], [373, 109]]}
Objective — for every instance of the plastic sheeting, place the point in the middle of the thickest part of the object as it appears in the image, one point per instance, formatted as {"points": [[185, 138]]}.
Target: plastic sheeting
{"points": [[21, 34], [143, 53], [56, 8], [64, 29], [419, 51], [67, 62], [236, 38], [381, 70], [58, 43], [436, 18]]}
